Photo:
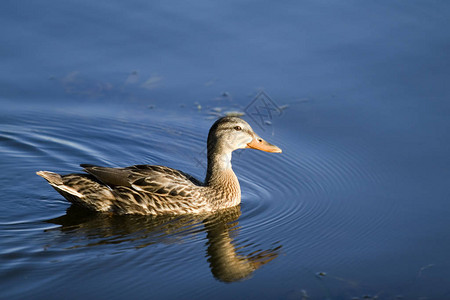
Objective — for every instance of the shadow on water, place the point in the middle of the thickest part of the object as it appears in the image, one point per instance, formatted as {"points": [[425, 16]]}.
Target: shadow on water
{"points": [[227, 261]]}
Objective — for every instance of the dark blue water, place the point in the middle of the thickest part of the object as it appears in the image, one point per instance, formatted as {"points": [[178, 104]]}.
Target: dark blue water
{"points": [[356, 95]]}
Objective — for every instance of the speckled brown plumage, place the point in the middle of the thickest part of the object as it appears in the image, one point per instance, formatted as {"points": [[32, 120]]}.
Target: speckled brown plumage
{"points": [[154, 190]]}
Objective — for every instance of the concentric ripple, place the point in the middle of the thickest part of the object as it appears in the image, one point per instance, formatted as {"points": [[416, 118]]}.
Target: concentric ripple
{"points": [[301, 191], [59, 142], [305, 189]]}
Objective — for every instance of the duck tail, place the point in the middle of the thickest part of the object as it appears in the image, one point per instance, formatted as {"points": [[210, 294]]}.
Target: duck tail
{"points": [[51, 177], [56, 181], [80, 189]]}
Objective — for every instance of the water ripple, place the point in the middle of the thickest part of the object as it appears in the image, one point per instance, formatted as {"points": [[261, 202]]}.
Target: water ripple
{"points": [[302, 193], [296, 190]]}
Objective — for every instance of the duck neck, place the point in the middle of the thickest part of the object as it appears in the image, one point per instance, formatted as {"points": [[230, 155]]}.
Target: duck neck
{"points": [[219, 165], [221, 178]]}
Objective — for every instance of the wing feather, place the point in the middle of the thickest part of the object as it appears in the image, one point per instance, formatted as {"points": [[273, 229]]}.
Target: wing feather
{"points": [[159, 180]]}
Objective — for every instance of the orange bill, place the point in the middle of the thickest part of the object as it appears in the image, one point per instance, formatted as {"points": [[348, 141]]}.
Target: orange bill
{"points": [[260, 144]]}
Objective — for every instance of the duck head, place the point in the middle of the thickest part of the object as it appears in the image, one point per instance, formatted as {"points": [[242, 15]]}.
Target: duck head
{"points": [[226, 135], [231, 133]]}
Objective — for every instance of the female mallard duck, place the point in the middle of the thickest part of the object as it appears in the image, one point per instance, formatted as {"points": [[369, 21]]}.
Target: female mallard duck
{"points": [[156, 190]]}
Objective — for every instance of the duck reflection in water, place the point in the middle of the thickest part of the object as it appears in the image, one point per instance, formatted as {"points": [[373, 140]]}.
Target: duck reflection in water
{"points": [[226, 263]]}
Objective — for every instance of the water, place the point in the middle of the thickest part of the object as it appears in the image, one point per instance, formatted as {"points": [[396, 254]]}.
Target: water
{"points": [[355, 206]]}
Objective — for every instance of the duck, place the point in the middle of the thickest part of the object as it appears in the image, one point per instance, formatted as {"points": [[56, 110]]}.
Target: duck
{"points": [[160, 190]]}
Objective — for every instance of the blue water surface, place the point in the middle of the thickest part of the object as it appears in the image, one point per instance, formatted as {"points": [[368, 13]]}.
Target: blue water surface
{"points": [[355, 93]]}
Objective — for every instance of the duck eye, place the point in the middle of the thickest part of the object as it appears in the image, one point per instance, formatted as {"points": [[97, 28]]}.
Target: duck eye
{"points": [[237, 128]]}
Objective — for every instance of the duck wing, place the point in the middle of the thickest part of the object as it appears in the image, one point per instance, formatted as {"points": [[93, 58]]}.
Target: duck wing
{"points": [[146, 178]]}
